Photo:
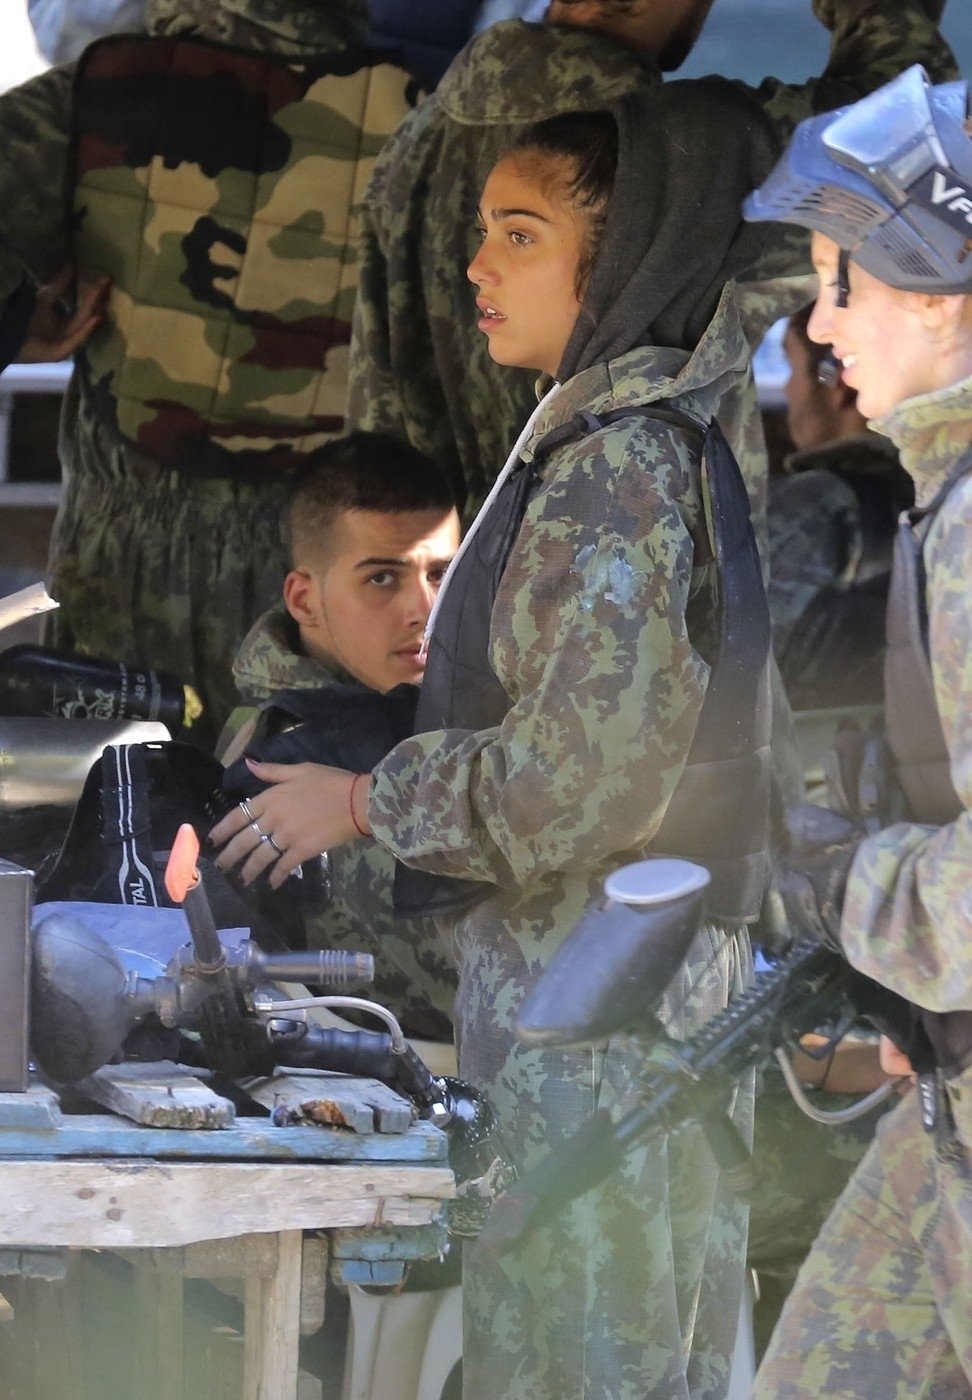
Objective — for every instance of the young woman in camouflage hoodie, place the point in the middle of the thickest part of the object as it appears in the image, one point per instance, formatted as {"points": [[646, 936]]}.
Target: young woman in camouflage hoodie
{"points": [[558, 760], [881, 1307]]}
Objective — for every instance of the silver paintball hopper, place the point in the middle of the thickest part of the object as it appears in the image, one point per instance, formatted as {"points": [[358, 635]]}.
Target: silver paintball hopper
{"points": [[612, 970]]}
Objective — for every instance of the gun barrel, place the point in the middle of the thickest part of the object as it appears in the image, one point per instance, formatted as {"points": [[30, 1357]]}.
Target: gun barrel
{"points": [[325, 968]]}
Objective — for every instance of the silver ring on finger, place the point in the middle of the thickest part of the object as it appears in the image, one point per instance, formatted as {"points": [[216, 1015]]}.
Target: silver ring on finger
{"points": [[244, 807], [258, 829], [269, 838]]}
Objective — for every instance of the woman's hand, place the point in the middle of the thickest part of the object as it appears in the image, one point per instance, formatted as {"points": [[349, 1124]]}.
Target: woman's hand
{"points": [[307, 811], [53, 332]]}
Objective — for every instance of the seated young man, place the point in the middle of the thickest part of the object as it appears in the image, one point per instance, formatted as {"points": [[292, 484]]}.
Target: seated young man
{"points": [[370, 528]]}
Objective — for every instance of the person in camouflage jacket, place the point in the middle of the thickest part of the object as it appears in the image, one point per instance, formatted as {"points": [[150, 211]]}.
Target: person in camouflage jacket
{"points": [[415, 976], [597, 636], [231, 250], [881, 1306]]}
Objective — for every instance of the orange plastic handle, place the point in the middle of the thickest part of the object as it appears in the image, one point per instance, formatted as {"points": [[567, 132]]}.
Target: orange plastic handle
{"points": [[180, 872]]}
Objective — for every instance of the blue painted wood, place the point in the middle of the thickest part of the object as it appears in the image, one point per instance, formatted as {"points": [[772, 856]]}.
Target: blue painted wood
{"points": [[37, 1107], [387, 1273], [249, 1139], [390, 1242]]}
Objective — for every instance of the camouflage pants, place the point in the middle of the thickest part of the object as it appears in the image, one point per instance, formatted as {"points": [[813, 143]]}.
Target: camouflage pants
{"points": [[158, 569], [881, 1307], [802, 1168], [635, 1290]]}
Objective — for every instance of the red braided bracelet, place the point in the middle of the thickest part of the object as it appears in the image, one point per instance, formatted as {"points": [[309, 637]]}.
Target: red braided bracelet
{"points": [[357, 825]]}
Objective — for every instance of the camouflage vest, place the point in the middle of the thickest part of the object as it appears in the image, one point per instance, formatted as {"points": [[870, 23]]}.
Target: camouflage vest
{"points": [[220, 191], [914, 728], [719, 812], [912, 722]]}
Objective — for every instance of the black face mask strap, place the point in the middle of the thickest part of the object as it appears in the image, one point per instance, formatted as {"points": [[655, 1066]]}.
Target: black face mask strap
{"points": [[843, 279]]}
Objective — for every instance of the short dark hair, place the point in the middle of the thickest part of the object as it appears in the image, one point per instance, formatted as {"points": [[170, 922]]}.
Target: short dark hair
{"points": [[586, 144], [362, 471]]}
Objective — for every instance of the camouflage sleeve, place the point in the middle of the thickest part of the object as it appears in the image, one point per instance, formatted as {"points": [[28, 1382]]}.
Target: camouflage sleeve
{"points": [[373, 400], [908, 913], [34, 147], [871, 42], [590, 641], [393, 378]]}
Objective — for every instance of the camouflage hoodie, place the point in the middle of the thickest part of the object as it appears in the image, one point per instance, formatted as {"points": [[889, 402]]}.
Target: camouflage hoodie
{"points": [[414, 974], [908, 913], [590, 640]]}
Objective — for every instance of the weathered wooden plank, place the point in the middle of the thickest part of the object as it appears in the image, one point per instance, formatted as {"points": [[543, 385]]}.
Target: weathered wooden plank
{"points": [[272, 1308], [100, 1135], [47, 1264], [418, 1242], [162, 1095], [363, 1105], [37, 1107], [313, 1284], [371, 1273], [135, 1204], [253, 1254], [159, 1335]]}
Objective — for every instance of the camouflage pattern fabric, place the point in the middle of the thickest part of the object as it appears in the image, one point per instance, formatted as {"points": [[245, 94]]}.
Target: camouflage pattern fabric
{"points": [[830, 546], [802, 1168], [814, 525], [895, 1260], [881, 1307], [905, 919], [415, 975], [635, 1291], [155, 569], [151, 568], [230, 244], [419, 366], [298, 27]]}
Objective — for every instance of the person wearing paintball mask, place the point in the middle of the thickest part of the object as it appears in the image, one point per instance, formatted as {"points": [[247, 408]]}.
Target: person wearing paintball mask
{"points": [[881, 1306]]}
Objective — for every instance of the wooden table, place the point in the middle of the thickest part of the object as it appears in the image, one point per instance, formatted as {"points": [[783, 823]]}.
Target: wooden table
{"points": [[235, 1202]]}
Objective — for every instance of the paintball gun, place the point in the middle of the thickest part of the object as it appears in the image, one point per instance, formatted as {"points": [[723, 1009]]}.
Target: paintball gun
{"points": [[609, 977], [84, 1005]]}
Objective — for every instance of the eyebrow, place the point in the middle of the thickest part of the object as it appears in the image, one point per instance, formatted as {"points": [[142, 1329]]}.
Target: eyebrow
{"points": [[381, 563], [515, 214]]}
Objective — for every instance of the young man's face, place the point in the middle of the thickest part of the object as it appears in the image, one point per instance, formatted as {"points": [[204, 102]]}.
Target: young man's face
{"points": [[364, 604]]}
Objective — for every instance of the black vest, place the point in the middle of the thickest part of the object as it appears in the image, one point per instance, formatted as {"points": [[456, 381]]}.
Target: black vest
{"points": [[719, 812], [914, 727]]}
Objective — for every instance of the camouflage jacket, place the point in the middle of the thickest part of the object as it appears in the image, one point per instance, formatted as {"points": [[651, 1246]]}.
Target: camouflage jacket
{"points": [[908, 911], [816, 525], [414, 973], [269, 660], [590, 640], [419, 366]]}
